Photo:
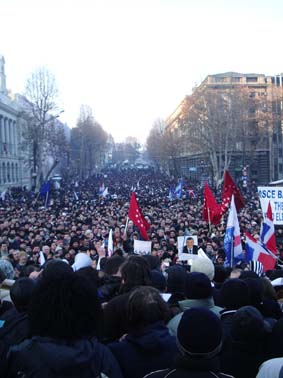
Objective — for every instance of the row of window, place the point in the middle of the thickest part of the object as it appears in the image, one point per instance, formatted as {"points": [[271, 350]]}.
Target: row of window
{"points": [[9, 173]]}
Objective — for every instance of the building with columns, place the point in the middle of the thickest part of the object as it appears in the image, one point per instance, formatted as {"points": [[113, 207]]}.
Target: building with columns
{"points": [[12, 171]]}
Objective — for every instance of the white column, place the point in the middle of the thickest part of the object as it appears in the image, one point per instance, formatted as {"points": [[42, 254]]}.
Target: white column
{"points": [[10, 138], [15, 138]]}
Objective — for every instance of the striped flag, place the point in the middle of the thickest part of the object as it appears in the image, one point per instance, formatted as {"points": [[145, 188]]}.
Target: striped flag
{"points": [[267, 233], [232, 239], [256, 251]]}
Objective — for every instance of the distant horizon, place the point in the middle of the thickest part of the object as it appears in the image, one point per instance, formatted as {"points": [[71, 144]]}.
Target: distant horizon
{"points": [[134, 62]]}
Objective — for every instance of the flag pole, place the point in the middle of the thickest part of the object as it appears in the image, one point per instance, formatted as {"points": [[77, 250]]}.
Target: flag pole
{"points": [[127, 222], [209, 221], [46, 199]]}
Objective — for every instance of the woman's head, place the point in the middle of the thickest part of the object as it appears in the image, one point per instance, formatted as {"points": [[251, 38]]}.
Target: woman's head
{"points": [[145, 307], [64, 308]]}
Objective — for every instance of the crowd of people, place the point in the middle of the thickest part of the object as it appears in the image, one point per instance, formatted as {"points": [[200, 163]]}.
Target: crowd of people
{"points": [[68, 309]]}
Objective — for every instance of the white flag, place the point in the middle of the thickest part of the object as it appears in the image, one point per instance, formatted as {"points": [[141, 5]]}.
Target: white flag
{"points": [[110, 244]]}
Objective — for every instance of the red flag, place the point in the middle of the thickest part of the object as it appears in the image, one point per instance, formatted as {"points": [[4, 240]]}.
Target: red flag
{"points": [[211, 209], [230, 188], [136, 216]]}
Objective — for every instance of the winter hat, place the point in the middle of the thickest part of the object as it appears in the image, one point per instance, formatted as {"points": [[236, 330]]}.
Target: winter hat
{"points": [[82, 260], [255, 291], [158, 280], [7, 268], [234, 294], [197, 286], [247, 325], [199, 333], [257, 267], [176, 277], [203, 265]]}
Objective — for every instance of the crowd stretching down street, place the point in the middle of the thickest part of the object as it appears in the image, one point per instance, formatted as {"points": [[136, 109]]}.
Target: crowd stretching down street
{"points": [[69, 308]]}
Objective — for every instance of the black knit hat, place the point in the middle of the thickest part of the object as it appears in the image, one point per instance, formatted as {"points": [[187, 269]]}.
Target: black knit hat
{"points": [[177, 275], [234, 294], [199, 333], [197, 286]]}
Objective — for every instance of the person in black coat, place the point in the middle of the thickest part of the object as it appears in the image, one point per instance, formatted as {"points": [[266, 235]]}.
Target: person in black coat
{"points": [[63, 316], [190, 247], [148, 345], [247, 348], [134, 272], [16, 326], [199, 339]]}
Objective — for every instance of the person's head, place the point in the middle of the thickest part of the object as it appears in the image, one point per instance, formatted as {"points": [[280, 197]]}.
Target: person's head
{"points": [[203, 265], [21, 293], [197, 286], [7, 268], [234, 294], [199, 334], [190, 242], [113, 264], [176, 277], [247, 325], [158, 280], [55, 269], [65, 308], [257, 267], [135, 272], [81, 261], [145, 307]]}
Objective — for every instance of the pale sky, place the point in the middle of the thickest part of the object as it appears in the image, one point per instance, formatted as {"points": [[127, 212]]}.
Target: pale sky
{"points": [[133, 61]]}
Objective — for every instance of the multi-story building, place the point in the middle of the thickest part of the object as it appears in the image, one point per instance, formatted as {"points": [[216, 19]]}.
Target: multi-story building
{"points": [[262, 154], [12, 170]]}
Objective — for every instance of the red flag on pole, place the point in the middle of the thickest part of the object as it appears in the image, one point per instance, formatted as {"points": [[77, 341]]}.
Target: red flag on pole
{"points": [[211, 209], [137, 217], [230, 188]]}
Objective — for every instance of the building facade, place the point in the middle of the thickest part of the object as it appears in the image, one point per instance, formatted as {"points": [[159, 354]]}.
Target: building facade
{"points": [[261, 147], [12, 170]]}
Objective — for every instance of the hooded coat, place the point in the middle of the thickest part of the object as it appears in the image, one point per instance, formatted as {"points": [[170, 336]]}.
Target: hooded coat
{"points": [[60, 359], [143, 351]]}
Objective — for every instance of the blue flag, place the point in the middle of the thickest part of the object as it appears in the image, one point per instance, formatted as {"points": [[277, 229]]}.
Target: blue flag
{"points": [[178, 190], [45, 188]]}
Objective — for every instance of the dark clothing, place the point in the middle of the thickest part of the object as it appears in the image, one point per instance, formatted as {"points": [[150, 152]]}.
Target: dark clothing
{"points": [[5, 306], [15, 330], [109, 289], [43, 357], [192, 368], [142, 352], [115, 318], [243, 349], [194, 250]]}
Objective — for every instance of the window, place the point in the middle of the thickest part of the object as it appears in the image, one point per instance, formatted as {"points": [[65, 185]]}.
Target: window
{"points": [[252, 79]]}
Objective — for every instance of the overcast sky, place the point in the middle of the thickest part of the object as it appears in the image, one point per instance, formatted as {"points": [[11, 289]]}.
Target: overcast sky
{"points": [[133, 61]]}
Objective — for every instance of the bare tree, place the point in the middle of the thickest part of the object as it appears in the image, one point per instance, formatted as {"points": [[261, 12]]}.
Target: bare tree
{"points": [[88, 141], [40, 101], [220, 122]]}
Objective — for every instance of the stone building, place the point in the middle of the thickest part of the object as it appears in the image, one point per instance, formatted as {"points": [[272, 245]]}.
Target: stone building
{"points": [[12, 170], [264, 159]]}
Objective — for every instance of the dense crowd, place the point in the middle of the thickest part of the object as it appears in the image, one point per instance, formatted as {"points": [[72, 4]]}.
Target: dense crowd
{"points": [[70, 310]]}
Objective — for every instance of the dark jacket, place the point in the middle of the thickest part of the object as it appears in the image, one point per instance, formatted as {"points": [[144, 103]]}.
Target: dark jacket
{"points": [[15, 330], [192, 368], [109, 289], [144, 351], [42, 357], [115, 318], [245, 348], [194, 250]]}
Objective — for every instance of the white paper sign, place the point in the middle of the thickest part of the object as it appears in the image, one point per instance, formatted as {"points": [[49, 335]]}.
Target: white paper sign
{"points": [[142, 247], [275, 196]]}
